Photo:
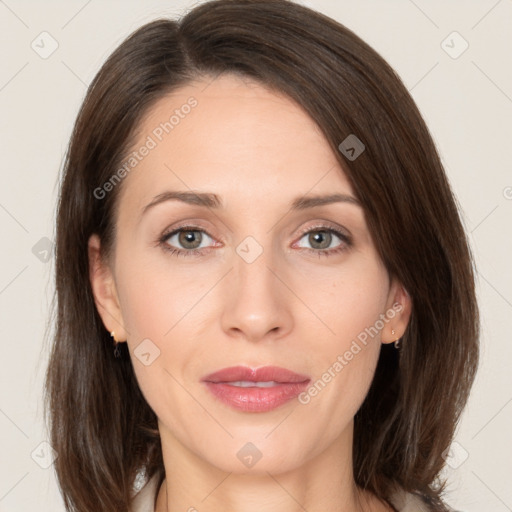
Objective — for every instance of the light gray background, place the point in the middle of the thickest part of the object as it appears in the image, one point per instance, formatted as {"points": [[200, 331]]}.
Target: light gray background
{"points": [[466, 101]]}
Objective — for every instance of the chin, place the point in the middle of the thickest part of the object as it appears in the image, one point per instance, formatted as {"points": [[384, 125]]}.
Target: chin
{"points": [[256, 456]]}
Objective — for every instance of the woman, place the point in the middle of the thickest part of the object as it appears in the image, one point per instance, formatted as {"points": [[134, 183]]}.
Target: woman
{"points": [[265, 295]]}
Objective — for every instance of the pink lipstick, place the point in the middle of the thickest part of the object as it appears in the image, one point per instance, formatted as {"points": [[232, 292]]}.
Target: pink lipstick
{"points": [[255, 390]]}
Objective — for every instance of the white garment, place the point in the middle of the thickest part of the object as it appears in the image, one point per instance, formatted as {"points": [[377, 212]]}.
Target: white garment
{"points": [[144, 499]]}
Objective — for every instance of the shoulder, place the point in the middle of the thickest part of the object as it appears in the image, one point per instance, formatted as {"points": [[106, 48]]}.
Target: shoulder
{"points": [[144, 497], [408, 502]]}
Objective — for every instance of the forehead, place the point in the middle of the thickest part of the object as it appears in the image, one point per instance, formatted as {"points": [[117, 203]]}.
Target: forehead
{"points": [[236, 138]]}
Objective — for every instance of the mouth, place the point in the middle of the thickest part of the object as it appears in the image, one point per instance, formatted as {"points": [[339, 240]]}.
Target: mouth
{"points": [[255, 390]]}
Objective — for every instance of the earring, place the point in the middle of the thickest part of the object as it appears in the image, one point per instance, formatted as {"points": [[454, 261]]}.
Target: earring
{"points": [[397, 341], [117, 353]]}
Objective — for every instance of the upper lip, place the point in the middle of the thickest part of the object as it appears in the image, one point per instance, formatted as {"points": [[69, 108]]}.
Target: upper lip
{"points": [[262, 374]]}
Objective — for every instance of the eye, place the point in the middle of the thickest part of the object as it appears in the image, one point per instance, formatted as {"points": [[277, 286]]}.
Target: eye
{"points": [[189, 240], [321, 237], [192, 241]]}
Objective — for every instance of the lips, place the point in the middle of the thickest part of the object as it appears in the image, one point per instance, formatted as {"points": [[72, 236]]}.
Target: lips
{"points": [[263, 374], [255, 390]]}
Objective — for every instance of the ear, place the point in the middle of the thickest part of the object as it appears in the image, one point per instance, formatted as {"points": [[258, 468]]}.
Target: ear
{"points": [[398, 312], [104, 290]]}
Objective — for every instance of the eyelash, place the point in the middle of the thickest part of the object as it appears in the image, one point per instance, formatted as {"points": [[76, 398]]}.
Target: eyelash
{"points": [[162, 241]]}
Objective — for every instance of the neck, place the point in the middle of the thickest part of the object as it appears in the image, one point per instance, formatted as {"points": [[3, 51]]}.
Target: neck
{"points": [[324, 483]]}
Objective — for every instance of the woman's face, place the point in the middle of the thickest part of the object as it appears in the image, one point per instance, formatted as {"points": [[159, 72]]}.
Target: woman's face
{"points": [[259, 279]]}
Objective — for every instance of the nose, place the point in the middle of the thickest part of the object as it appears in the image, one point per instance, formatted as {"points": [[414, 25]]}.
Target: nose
{"points": [[257, 306]]}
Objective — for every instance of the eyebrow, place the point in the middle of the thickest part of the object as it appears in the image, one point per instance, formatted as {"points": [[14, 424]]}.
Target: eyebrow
{"points": [[211, 200]]}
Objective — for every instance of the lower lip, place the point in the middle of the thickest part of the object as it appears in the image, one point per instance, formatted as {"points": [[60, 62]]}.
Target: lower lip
{"points": [[255, 399]]}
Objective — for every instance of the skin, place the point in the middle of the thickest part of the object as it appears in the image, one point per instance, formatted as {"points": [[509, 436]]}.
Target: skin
{"points": [[258, 151]]}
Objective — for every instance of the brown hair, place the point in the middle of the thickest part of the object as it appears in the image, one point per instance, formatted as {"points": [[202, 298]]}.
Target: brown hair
{"points": [[100, 424]]}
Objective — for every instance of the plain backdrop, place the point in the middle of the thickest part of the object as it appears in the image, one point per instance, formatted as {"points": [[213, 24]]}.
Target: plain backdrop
{"points": [[454, 58]]}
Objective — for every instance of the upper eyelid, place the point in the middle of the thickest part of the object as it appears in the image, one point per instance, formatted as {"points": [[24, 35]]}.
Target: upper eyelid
{"points": [[326, 225], [186, 227]]}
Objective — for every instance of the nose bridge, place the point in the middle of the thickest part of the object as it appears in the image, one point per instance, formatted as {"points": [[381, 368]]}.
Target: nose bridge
{"points": [[256, 301], [252, 262]]}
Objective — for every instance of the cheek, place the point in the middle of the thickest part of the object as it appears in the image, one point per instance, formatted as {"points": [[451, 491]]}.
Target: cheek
{"points": [[347, 300], [351, 308], [162, 313], [155, 297]]}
